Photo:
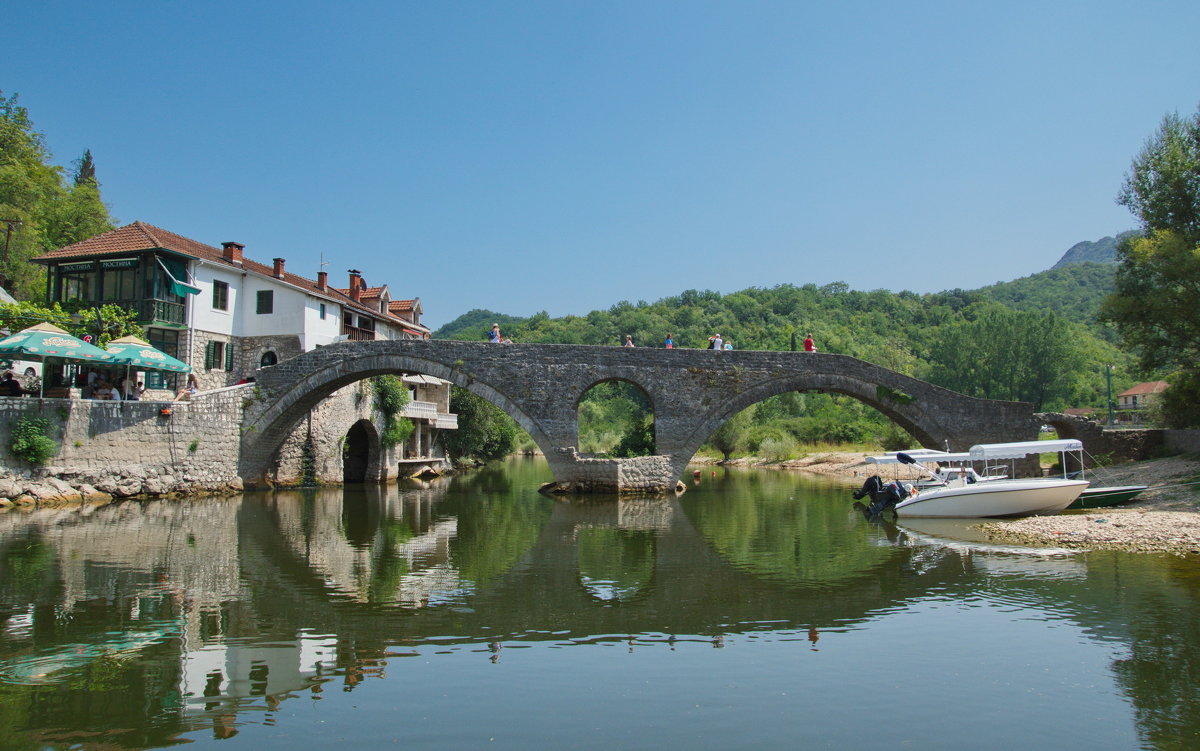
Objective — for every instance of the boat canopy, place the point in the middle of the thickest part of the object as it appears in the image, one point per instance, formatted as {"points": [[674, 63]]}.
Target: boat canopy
{"points": [[921, 455], [986, 451]]}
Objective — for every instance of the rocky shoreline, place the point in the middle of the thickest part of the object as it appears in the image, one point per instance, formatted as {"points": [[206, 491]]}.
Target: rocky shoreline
{"points": [[1163, 519], [47, 488]]}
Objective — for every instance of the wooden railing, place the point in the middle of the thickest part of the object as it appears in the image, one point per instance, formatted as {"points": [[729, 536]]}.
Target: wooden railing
{"points": [[358, 335]]}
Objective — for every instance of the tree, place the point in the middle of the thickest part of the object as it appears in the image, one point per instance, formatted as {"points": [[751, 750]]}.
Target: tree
{"points": [[732, 434], [1156, 305], [85, 169], [32, 190], [1163, 185], [484, 432], [1006, 354], [112, 323]]}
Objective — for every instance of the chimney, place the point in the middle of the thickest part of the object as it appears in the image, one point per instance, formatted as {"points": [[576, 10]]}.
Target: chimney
{"points": [[355, 289], [322, 280], [233, 252], [278, 267]]}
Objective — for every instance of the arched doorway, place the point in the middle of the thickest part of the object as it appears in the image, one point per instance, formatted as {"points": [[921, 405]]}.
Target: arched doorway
{"points": [[356, 453]]}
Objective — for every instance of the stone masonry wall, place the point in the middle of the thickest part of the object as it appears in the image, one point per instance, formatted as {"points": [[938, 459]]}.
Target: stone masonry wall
{"points": [[328, 424], [127, 448]]}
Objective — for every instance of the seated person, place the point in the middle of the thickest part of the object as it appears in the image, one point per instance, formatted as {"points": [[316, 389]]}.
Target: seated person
{"points": [[10, 386], [188, 391]]}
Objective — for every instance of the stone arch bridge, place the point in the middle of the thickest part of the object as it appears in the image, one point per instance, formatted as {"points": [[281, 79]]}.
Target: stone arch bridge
{"points": [[691, 392]]}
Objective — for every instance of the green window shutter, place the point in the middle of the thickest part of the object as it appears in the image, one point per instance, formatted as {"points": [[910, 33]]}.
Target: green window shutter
{"points": [[229, 355], [208, 355]]}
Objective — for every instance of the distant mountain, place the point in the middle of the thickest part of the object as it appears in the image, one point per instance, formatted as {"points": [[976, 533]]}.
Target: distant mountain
{"points": [[1103, 250]]}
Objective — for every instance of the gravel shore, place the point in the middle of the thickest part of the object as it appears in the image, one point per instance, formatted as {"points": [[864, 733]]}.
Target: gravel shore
{"points": [[1164, 518]]}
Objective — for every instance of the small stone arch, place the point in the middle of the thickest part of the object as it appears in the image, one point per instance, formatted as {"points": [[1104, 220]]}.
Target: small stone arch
{"points": [[362, 453], [268, 358]]}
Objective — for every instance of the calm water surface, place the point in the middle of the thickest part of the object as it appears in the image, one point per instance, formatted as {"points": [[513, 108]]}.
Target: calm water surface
{"points": [[755, 611]]}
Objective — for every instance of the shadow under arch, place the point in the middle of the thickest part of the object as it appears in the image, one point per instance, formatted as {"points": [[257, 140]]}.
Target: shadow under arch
{"points": [[263, 437]]}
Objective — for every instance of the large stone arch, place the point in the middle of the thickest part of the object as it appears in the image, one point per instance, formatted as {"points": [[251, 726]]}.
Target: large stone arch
{"points": [[265, 432]]}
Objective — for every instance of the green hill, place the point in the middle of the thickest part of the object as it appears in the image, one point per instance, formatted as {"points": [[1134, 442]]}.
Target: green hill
{"points": [[475, 324], [1074, 291]]}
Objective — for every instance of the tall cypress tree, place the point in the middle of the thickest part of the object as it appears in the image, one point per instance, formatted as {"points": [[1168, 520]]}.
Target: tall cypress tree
{"points": [[85, 168]]}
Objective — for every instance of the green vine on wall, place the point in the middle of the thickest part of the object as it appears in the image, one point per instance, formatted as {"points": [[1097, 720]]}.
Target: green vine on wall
{"points": [[391, 397], [31, 440]]}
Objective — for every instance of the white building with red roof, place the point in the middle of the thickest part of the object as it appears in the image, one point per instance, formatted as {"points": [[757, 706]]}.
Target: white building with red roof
{"points": [[227, 315]]}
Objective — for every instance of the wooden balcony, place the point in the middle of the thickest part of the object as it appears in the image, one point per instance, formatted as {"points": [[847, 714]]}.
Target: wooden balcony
{"points": [[355, 334]]}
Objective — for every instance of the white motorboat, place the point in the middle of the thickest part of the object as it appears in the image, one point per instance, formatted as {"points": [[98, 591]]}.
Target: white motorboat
{"points": [[968, 495], [995, 498]]}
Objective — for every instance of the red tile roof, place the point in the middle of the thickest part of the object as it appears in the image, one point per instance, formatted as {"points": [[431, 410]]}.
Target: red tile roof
{"points": [[1149, 387], [140, 236], [131, 237]]}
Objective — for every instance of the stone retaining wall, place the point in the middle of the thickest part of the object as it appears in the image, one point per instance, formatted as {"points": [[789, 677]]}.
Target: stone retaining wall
{"points": [[122, 449]]}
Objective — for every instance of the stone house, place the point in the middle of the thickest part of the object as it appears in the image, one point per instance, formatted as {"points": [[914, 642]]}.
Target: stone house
{"points": [[1133, 402]]}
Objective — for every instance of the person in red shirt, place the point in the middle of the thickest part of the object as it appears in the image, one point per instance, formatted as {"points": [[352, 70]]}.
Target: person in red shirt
{"points": [[809, 346]]}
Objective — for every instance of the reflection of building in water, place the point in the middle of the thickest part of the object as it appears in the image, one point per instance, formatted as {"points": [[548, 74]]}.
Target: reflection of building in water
{"points": [[373, 545], [153, 590]]}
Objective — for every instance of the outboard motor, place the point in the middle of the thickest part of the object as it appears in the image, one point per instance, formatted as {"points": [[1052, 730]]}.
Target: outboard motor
{"points": [[884, 496]]}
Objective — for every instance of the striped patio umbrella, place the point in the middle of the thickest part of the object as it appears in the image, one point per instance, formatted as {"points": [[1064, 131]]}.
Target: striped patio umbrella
{"points": [[135, 353], [46, 341]]}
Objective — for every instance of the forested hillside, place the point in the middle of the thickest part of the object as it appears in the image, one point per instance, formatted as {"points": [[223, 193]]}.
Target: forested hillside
{"points": [[1033, 339], [1074, 291]]}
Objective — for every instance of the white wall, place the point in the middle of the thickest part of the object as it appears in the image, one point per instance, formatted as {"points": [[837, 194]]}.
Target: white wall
{"points": [[203, 315]]}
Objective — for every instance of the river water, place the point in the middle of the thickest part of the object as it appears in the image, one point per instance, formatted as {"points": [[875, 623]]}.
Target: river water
{"points": [[757, 610]]}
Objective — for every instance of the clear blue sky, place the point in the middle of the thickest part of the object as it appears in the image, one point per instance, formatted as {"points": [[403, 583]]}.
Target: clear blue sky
{"points": [[566, 155]]}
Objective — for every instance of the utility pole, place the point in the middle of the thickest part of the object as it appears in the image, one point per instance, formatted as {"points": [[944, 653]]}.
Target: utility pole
{"points": [[1108, 380]]}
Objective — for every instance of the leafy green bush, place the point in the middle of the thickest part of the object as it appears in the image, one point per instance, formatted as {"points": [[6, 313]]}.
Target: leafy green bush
{"points": [[31, 441], [777, 449], [391, 397]]}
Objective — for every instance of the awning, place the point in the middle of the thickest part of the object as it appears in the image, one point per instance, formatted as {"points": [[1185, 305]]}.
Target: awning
{"points": [[178, 287], [1023, 448]]}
